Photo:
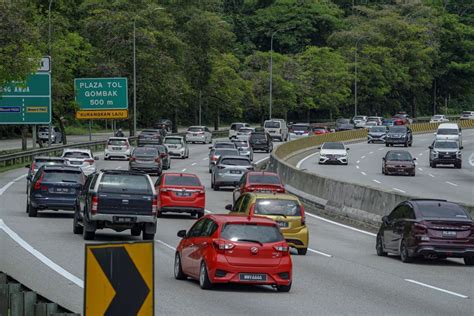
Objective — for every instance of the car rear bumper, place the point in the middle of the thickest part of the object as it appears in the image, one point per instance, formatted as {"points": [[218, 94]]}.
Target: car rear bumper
{"points": [[176, 152], [376, 139], [260, 147], [145, 167], [228, 180], [47, 203], [116, 153], [298, 238], [111, 218], [443, 250], [447, 161], [181, 209]]}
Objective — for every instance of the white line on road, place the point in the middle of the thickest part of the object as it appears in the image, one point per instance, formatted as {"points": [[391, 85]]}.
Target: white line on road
{"points": [[357, 167], [165, 244], [376, 181], [399, 190], [363, 173], [262, 160], [207, 211], [193, 164], [380, 148], [9, 184], [421, 169], [206, 158], [298, 165], [341, 225], [362, 157], [320, 253], [118, 167], [48, 262], [358, 161], [420, 154], [431, 175], [183, 170], [437, 288], [371, 153], [453, 184]]}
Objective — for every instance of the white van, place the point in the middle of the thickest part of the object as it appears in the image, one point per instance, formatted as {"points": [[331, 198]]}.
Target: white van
{"points": [[449, 131], [234, 128], [276, 128]]}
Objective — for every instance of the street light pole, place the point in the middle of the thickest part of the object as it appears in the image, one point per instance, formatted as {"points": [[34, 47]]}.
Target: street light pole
{"points": [[134, 81], [271, 75], [50, 127], [355, 75]]}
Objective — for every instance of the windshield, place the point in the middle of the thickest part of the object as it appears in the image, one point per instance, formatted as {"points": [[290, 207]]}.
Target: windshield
{"points": [[397, 129], [398, 156], [343, 121], [55, 176], [119, 183], [236, 127], [358, 118], [333, 146], [183, 180], [40, 163], [301, 128], [437, 117], [241, 144], [246, 130], [258, 136], [224, 145], [442, 210], [173, 140], [77, 155], [195, 129], [235, 162], [161, 149], [117, 142], [260, 233], [277, 207], [272, 124], [378, 129], [264, 179], [145, 151], [447, 131], [226, 152], [450, 145]]}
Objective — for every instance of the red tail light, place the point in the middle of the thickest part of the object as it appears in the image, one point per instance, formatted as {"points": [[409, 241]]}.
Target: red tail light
{"points": [[214, 158], [420, 229], [38, 183], [133, 158], [202, 191], [95, 204], [154, 206], [222, 245], [90, 161], [303, 217], [157, 159]]}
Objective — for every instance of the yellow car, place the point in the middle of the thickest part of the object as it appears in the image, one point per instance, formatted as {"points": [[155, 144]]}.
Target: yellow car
{"points": [[285, 209]]}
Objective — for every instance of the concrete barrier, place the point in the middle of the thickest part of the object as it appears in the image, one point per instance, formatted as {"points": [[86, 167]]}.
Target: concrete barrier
{"points": [[358, 202]]}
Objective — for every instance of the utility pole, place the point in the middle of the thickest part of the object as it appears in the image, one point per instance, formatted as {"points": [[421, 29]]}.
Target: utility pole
{"points": [[50, 127], [134, 81]]}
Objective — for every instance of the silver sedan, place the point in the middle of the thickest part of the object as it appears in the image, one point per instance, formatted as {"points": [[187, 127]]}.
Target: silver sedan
{"points": [[244, 148], [228, 171]]}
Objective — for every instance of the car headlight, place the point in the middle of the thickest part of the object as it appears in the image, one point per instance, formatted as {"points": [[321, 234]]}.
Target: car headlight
{"points": [[458, 154], [434, 154]]}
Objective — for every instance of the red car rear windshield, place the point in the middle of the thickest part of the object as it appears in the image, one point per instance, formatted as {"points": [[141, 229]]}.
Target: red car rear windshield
{"points": [[277, 207], [264, 179], [182, 181], [442, 210], [251, 232]]}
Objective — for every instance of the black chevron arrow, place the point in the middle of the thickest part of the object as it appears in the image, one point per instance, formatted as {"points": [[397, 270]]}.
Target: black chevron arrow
{"points": [[130, 288]]}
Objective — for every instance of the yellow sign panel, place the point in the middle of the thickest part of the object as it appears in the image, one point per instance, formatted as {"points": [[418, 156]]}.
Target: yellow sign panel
{"points": [[37, 109], [101, 114], [119, 279]]}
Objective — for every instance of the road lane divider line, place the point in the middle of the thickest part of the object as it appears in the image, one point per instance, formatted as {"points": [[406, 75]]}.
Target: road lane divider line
{"points": [[205, 158], [207, 212], [320, 253], [421, 169], [376, 181], [380, 148], [363, 173], [298, 165], [48, 262], [262, 160], [165, 244], [371, 153], [183, 170], [453, 184], [118, 167], [9, 184], [358, 161], [193, 164], [437, 288], [362, 157], [399, 190], [340, 225], [431, 175], [420, 154], [357, 167]]}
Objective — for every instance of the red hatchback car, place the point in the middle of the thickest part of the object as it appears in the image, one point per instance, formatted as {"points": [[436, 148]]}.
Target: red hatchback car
{"points": [[180, 193], [234, 249], [259, 181]]}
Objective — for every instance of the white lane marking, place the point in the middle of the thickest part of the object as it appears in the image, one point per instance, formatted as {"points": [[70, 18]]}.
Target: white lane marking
{"points": [[362, 157], [363, 173], [427, 150], [471, 159], [206, 158], [420, 154], [341, 225], [207, 211], [416, 164], [376, 181], [9, 184], [399, 190], [380, 148], [437, 288], [431, 175], [48, 262], [320, 253], [421, 169], [262, 160], [193, 164], [298, 165], [183, 170], [371, 153], [357, 167], [165, 244], [118, 167], [358, 161], [453, 184]]}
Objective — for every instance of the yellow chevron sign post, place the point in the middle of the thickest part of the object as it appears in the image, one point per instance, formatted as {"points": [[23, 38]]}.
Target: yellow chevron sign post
{"points": [[119, 279]]}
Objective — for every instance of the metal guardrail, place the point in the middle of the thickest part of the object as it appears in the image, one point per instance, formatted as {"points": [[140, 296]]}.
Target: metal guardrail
{"points": [[27, 156]]}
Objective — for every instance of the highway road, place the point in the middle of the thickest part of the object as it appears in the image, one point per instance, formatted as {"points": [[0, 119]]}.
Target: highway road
{"points": [[341, 274], [365, 167]]}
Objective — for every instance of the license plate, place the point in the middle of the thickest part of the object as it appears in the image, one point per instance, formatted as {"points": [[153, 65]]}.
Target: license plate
{"points": [[118, 219], [401, 170], [117, 148], [183, 193], [282, 224], [251, 277], [272, 131], [264, 191], [195, 134], [447, 156], [235, 171], [60, 190], [449, 234]]}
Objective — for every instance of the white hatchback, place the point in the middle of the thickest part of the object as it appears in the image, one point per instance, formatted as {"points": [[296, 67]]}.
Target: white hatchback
{"points": [[80, 158], [198, 134]]}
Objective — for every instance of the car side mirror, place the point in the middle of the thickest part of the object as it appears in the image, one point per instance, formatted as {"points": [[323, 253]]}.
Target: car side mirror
{"points": [[385, 220], [96, 158], [319, 147], [28, 166], [347, 148], [383, 158], [210, 147], [228, 207], [462, 147], [29, 177], [430, 147], [181, 233]]}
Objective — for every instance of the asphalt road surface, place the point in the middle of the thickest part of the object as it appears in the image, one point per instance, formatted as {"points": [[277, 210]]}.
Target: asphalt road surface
{"points": [[365, 167], [341, 273]]}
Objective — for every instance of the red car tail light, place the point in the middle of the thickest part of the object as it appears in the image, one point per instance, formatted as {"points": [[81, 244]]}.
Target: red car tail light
{"points": [[303, 217], [94, 204], [90, 161], [38, 183], [214, 158], [154, 206], [202, 191], [133, 158], [420, 229], [222, 245]]}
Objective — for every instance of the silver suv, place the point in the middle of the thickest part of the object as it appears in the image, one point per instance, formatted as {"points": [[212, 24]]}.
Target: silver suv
{"points": [[445, 152], [228, 171]]}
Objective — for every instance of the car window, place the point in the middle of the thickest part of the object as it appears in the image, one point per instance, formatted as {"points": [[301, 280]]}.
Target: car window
{"points": [[208, 228], [173, 140], [236, 127], [224, 145], [55, 176], [241, 144], [272, 125], [245, 203], [94, 181], [398, 156], [195, 231], [448, 145], [146, 151], [277, 207], [333, 145], [182, 180], [442, 210], [264, 179], [447, 131], [251, 231], [117, 142], [195, 129], [397, 213], [303, 128], [235, 162], [238, 204], [77, 155], [124, 183], [378, 129]]}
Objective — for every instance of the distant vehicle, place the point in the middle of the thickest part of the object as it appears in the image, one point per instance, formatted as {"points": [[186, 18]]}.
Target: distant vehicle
{"points": [[228, 170], [146, 159], [438, 119], [234, 128], [377, 134], [119, 200], [370, 124], [150, 136], [467, 115], [223, 144], [276, 128], [333, 153], [237, 249], [80, 158], [166, 123], [427, 228], [285, 209], [198, 134], [37, 163], [54, 188], [244, 133], [398, 162], [43, 135], [401, 119], [445, 152], [244, 148], [388, 122], [399, 135], [215, 154], [164, 155], [117, 147], [299, 130], [320, 130], [343, 124], [261, 141], [359, 121], [180, 193], [449, 131], [177, 146], [377, 119], [260, 182]]}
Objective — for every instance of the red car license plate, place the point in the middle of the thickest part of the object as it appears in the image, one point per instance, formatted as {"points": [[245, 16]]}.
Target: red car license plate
{"points": [[252, 277]]}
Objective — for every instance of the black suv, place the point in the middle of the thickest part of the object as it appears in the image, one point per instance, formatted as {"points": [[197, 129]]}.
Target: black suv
{"points": [[261, 141], [445, 152], [399, 135], [117, 199], [427, 228]]}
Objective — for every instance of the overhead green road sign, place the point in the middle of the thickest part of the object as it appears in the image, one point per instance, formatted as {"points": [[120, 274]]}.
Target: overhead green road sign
{"points": [[26, 102], [101, 93]]}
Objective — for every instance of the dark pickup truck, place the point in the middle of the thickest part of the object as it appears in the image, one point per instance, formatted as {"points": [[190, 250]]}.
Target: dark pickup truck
{"points": [[119, 200]]}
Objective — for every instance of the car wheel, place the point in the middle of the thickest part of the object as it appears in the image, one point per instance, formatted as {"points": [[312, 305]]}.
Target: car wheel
{"points": [[178, 269], [405, 145], [413, 174], [76, 227], [87, 232], [32, 211], [216, 187], [411, 143], [404, 255], [433, 165], [204, 282], [379, 246], [469, 261], [302, 251], [459, 165], [283, 288], [147, 236], [386, 145], [135, 231]]}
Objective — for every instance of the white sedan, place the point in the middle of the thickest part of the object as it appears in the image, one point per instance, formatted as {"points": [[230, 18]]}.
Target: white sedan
{"points": [[333, 153], [438, 119]]}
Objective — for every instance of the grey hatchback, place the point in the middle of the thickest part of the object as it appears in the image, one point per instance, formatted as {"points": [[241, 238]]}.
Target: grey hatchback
{"points": [[228, 171], [146, 159]]}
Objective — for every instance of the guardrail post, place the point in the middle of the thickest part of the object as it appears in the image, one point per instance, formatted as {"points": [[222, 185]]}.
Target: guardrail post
{"points": [[3, 278], [29, 302], [45, 309], [3, 299], [16, 304]]}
